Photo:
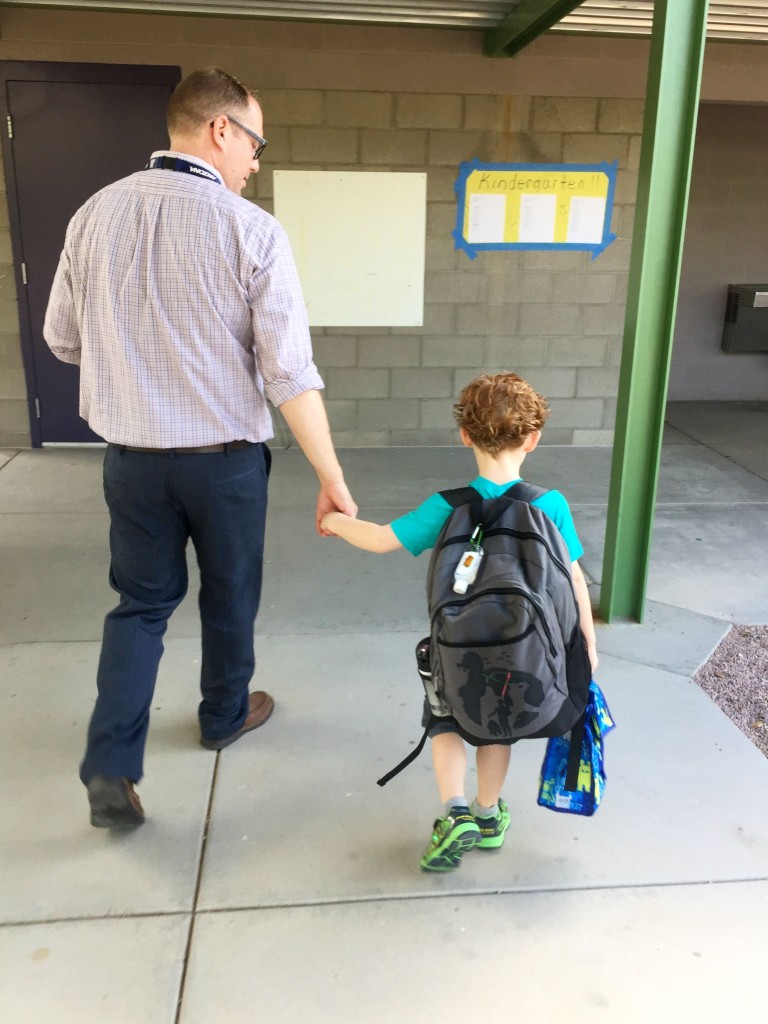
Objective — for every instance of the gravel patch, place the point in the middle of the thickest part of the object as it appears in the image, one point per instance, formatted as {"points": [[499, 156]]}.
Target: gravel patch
{"points": [[736, 678]]}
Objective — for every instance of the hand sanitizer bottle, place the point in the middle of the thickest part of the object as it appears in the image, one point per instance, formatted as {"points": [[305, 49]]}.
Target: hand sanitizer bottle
{"points": [[469, 563]]}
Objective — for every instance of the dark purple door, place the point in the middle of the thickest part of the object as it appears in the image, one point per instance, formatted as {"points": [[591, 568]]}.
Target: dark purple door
{"points": [[74, 130]]}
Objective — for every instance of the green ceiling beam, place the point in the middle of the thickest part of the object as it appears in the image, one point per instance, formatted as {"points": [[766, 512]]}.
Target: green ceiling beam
{"points": [[528, 20], [669, 130]]}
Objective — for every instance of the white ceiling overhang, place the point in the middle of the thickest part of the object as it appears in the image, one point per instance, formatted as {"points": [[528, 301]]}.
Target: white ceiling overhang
{"points": [[743, 20], [479, 14]]}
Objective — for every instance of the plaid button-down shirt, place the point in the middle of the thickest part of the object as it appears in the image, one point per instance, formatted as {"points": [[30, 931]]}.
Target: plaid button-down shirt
{"points": [[181, 303]]}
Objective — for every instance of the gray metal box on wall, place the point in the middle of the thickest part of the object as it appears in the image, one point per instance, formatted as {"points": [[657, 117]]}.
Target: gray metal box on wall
{"points": [[746, 318]]}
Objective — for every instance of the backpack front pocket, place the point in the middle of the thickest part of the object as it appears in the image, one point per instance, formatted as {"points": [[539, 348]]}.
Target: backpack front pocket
{"points": [[499, 667]]}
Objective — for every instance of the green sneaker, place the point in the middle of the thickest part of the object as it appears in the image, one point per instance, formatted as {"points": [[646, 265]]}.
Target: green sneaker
{"points": [[493, 829], [451, 838]]}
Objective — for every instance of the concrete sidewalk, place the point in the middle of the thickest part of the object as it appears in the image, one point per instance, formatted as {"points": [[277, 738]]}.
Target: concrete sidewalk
{"points": [[276, 882]]}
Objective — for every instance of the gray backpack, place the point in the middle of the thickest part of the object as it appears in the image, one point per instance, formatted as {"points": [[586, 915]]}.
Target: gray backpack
{"points": [[507, 659]]}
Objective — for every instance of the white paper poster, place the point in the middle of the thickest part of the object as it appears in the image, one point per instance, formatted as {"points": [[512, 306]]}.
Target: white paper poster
{"points": [[537, 218], [585, 221], [486, 218]]}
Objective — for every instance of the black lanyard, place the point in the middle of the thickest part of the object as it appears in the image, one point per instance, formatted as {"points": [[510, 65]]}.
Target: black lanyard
{"points": [[178, 163]]}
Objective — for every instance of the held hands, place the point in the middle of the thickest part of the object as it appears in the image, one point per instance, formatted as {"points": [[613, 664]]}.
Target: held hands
{"points": [[327, 523], [333, 497]]}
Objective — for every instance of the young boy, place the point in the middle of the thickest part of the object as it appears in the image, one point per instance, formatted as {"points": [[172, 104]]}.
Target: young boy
{"points": [[500, 418]]}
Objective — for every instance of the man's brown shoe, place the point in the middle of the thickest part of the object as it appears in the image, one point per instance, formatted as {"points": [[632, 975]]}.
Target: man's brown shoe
{"points": [[114, 803], [260, 707]]}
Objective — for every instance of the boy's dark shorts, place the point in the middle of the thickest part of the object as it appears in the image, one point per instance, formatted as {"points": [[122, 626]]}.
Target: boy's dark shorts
{"points": [[444, 725]]}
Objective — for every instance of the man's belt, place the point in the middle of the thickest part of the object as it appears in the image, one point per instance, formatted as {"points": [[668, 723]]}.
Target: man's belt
{"points": [[205, 449]]}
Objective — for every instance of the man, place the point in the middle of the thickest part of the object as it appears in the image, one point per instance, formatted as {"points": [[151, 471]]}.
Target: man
{"points": [[181, 303]]}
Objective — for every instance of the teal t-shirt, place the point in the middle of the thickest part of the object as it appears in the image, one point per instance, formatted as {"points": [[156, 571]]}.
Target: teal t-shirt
{"points": [[419, 529]]}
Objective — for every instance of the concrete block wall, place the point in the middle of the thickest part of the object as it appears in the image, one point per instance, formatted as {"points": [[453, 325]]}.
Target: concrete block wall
{"points": [[557, 318], [406, 98], [724, 244]]}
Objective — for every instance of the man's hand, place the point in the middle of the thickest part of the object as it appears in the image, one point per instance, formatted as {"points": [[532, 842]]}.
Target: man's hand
{"points": [[333, 496], [305, 415]]}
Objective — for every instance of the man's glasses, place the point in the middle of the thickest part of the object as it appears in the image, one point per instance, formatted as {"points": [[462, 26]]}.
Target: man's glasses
{"points": [[260, 143]]}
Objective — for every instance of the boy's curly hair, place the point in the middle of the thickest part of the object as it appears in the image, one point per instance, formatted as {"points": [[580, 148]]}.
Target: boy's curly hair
{"points": [[499, 411]]}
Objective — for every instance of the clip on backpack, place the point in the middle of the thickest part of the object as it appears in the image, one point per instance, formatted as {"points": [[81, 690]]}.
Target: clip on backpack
{"points": [[507, 658]]}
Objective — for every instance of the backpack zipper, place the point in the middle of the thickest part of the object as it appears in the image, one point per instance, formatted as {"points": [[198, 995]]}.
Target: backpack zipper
{"points": [[494, 532], [492, 643], [501, 590], [529, 536], [464, 539]]}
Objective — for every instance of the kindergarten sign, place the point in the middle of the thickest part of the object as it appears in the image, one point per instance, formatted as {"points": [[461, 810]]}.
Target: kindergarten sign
{"points": [[534, 206]]}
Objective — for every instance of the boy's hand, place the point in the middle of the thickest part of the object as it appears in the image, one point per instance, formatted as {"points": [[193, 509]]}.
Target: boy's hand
{"points": [[358, 532], [326, 524]]}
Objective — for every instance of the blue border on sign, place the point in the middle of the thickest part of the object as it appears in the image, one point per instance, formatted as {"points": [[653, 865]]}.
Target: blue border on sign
{"points": [[473, 248]]}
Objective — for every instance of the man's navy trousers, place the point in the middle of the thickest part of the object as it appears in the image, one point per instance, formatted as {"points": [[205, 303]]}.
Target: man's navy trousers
{"points": [[157, 501]]}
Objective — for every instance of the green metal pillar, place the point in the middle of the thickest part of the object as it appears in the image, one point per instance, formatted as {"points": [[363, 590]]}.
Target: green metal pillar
{"points": [[669, 129]]}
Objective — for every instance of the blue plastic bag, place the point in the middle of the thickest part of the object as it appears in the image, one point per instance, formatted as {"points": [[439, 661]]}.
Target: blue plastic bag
{"points": [[568, 785]]}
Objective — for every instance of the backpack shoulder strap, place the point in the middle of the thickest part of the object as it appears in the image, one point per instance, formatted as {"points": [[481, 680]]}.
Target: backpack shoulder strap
{"points": [[458, 496], [523, 491]]}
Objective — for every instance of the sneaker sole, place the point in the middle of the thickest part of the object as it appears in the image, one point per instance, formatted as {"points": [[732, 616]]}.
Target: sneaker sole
{"points": [[449, 858], [492, 842]]}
